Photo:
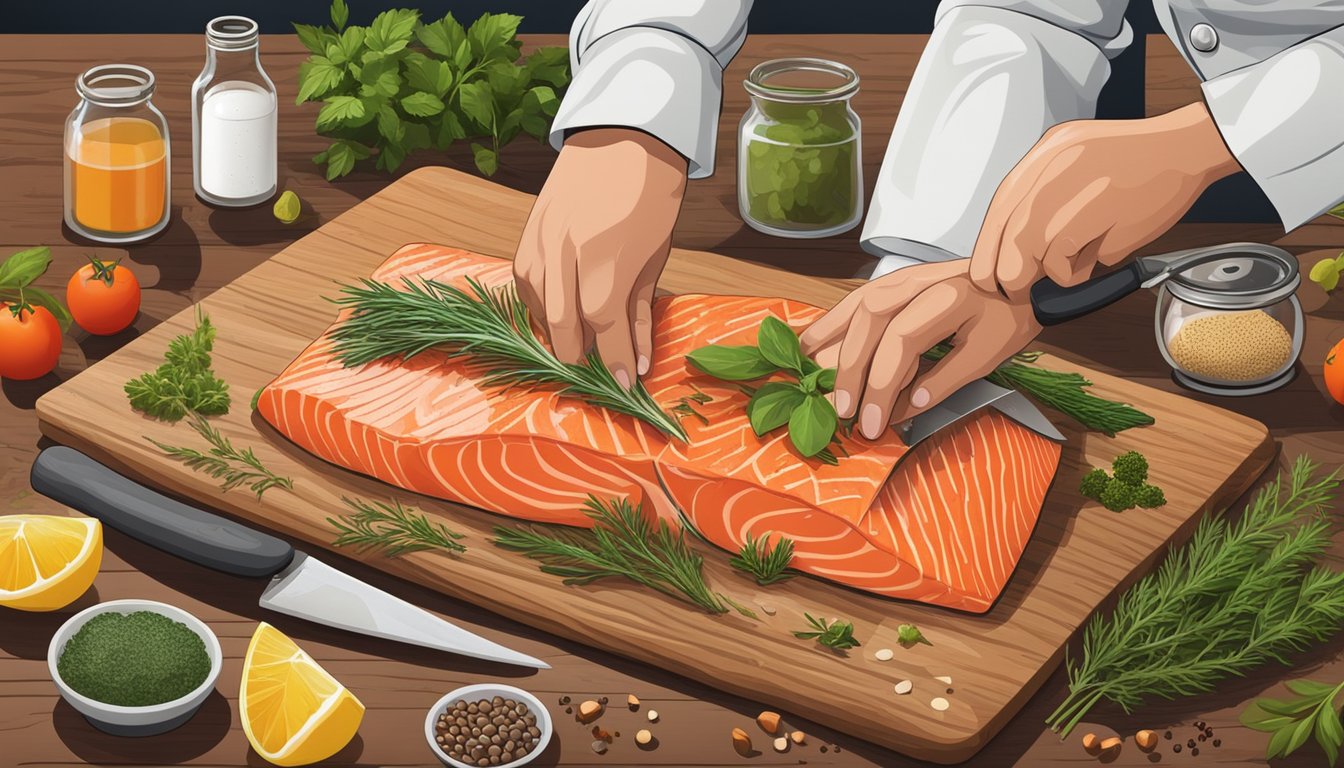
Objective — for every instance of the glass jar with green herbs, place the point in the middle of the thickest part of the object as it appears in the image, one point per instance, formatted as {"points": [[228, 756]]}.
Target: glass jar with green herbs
{"points": [[800, 166]]}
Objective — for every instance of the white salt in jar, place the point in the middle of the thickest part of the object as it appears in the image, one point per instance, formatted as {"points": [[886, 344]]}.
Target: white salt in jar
{"points": [[233, 118]]}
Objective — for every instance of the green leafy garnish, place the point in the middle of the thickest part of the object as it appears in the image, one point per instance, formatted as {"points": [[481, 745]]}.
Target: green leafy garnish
{"points": [[490, 327], [224, 462], [1240, 594], [1325, 272], [401, 85], [391, 529], [838, 635], [1293, 722], [767, 563], [184, 383], [623, 543], [908, 635], [17, 274], [1128, 489]]}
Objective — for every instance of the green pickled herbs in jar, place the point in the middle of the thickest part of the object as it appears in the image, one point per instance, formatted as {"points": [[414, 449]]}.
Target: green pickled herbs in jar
{"points": [[800, 166]]}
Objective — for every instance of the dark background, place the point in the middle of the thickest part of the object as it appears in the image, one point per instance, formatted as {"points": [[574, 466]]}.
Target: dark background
{"points": [[1233, 199]]}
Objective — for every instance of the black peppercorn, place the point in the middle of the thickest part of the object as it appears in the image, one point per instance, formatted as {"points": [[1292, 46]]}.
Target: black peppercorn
{"points": [[1217, 742], [1167, 735], [1190, 743], [1176, 748], [1194, 752]]}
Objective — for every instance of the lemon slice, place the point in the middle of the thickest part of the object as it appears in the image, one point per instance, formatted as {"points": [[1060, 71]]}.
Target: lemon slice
{"points": [[47, 562], [293, 712]]}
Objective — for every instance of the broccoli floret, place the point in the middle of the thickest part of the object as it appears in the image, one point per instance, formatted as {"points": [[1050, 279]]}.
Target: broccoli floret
{"points": [[1131, 468], [1118, 495], [1150, 497], [1094, 483]]}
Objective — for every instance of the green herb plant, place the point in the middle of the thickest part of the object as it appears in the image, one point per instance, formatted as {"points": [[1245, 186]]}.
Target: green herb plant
{"points": [[908, 635], [1241, 593], [623, 543], [391, 529], [17, 274], [401, 85], [1291, 723], [184, 383], [225, 462], [492, 328], [837, 635], [1129, 488], [767, 563]]}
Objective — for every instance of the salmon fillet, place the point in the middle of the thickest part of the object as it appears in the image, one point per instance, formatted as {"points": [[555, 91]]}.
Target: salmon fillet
{"points": [[943, 523]]}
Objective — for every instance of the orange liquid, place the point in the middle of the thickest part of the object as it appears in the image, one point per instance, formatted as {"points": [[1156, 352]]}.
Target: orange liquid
{"points": [[118, 174]]}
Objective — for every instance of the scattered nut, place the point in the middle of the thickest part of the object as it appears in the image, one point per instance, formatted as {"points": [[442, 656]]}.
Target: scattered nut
{"points": [[940, 704], [883, 654], [1091, 744], [769, 722], [798, 737], [904, 687], [589, 711], [769, 609], [1146, 739], [781, 744], [643, 737], [742, 742], [1111, 746], [944, 679], [653, 715], [632, 701]]}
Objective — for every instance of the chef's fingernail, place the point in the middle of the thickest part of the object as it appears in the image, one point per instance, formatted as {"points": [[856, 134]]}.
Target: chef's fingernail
{"points": [[920, 398], [841, 402], [643, 365], [871, 422], [622, 378]]}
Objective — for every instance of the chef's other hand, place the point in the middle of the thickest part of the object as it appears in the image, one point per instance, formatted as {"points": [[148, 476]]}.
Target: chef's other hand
{"points": [[876, 335], [1095, 191], [595, 243]]}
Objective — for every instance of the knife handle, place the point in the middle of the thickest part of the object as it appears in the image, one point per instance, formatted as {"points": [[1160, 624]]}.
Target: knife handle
{"points": [[1054, 304], [78, 481]]}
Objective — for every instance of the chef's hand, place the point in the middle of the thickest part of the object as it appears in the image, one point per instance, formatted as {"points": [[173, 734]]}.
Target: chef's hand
{"points": [[595, 243], [876, 335], [1095, 191]]}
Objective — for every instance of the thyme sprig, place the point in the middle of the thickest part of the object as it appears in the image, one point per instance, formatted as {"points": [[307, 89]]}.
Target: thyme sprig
{"points": [[1240, 594], [225, 462], [768, 563], [489, 326], [392, 529]]}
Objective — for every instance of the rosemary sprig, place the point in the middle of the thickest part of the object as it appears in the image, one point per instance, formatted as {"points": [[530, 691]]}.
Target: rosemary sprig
{"points": [[838, 635], [767, 563], [491, 327], [392, 529], [623, 543], [1238, 595], [224, 462]]}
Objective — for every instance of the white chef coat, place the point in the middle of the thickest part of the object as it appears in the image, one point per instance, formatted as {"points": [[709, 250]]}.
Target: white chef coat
{"points": [[995, 75]]}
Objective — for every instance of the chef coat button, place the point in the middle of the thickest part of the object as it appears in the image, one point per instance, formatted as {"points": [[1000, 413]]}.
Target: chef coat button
{"points": [[1203, 37]]}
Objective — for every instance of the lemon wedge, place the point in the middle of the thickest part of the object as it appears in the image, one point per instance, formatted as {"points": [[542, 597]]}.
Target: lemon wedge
{"points": [[47, 562], [293, 712]]}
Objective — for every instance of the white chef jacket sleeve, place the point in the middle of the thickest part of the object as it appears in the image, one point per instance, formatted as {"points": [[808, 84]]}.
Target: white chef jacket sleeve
{"points": [[656, 66], [1283, 119], [995, 75]]}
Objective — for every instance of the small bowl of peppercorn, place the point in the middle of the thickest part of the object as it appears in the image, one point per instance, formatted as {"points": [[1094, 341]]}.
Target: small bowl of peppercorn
{"points": [[488, 725], [135, 667]]}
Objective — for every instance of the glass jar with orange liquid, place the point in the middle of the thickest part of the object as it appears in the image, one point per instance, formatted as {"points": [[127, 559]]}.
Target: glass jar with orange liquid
{"points": [[116, 157]]}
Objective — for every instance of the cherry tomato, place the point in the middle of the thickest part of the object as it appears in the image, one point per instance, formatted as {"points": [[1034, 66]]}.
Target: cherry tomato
{"points": [[103, 297], [1334, 372], [30, 343]]}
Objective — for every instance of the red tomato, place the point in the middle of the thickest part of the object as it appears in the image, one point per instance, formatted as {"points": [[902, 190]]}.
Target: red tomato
{"points": [[104, 298], [30, 343], [1334, 372]]}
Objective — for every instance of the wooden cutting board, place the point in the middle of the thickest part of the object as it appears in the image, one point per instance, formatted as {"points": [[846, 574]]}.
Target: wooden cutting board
{"points": [[1080, 553]]}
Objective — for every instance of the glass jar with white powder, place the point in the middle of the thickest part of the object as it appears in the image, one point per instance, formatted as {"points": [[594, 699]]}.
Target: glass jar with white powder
{"points": [[233, 118]]}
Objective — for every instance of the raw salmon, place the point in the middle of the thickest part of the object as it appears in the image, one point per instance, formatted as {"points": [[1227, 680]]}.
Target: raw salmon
{"points": [[943, 523]]}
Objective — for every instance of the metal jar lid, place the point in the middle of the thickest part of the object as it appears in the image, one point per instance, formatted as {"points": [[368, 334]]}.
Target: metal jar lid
{"points": [[1235, 276]]}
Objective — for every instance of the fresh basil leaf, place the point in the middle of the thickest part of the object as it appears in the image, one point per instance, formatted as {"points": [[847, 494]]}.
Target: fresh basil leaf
{"points": [[339, 109], [772, 405], [352, 42], [315, 39], [422, 104], [462, 55], [809, 382], [1255, 718], [493, 36], [24, 267], [1301, 732], [442, 37], [731, 363], [391, 30], [826, 380], [812, 425], [810, 365], [341, 159], [425, 74], [487, 160], [779, 344], [1329, 733], [36, 297], [380, 78], [1278, 742], [1307, 687], [340, 14], [1287, 708], [478, 103]]}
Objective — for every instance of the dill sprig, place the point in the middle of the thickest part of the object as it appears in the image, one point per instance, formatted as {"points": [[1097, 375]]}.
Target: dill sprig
{"points": [[767, 563], [224, 462], [622, 543], [1239, 594], [838, 635], [391, 528], [1065, 392], [184, 382], [491, 328]]}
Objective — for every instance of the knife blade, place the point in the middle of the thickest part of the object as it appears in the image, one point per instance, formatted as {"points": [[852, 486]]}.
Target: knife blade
{"points": [[971, 398], [301, 585]]}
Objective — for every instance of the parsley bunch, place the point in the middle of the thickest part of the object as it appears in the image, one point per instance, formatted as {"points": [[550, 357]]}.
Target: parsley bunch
{"points": [[184, 383], [401, 85]]}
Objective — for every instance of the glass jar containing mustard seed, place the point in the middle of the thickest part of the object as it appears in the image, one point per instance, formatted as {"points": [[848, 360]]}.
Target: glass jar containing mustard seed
{"points": [[800, 164]]}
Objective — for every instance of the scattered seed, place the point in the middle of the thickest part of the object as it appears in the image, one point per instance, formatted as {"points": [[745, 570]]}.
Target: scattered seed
{"points": [[944, 679], [823, 749], [603, 701], [653, 715], [1175, 747], [742, 742], [798, 737], [1217, 742], [949, 691], [769, 722], [1091, 744], [904, 687], [632, 701], [1146, 740], [589, 711], [940, 704], [1167, 735], [494, 731], [1194, 752], [1111, 745], [644, 737], [1190, 743], [782, 744], [883, 654], [565, 699], [769, 609]]}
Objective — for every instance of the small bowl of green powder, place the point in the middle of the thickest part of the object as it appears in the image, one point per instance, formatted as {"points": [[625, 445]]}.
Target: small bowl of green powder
{"points": [[135, 667]]}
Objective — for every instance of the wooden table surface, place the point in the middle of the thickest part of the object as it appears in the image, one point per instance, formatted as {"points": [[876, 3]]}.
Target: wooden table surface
{"points": [[204, 249]]}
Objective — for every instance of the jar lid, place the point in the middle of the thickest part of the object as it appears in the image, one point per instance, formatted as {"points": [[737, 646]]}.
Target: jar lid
{"points": [[1235, 276], [117, 85], [756, 84], [228, 33]]}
